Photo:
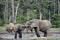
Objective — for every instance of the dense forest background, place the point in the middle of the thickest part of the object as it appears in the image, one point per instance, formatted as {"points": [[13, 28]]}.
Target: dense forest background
{"points": [[20, 11]]}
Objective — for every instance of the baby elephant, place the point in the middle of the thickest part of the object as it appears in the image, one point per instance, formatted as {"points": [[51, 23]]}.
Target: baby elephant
{"points": [[10, 27], [17, 28]]}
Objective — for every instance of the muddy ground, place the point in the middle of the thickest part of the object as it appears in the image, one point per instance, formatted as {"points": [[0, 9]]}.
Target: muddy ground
{"points": [[5, 35]]}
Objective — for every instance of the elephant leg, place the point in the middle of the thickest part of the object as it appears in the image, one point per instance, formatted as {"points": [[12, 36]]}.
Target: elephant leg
{"points": [[15, 35], [37, 31], [32, 31], [45, 34], [20, 34]]}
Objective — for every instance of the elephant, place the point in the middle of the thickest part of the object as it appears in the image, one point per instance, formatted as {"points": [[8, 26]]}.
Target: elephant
{"points": [[10, 27], [28, 24], [17, 29], [40, 25]]}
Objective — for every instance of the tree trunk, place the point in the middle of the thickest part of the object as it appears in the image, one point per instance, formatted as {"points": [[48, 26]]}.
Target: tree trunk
{"points": [[54, 6], [28, 12], [17, 9], [13, 14], [6, 11], [21, 14], [58, 6], [40, 14], [49, 16]]}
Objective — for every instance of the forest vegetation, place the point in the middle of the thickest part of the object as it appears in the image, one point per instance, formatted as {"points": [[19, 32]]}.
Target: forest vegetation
{"points": [[19, 11]]}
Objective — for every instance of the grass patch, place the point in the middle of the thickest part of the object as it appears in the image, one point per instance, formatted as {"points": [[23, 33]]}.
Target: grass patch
{"points": [[43, 39], [2, 28], [36, 39], [54, 39], [52, 29]]}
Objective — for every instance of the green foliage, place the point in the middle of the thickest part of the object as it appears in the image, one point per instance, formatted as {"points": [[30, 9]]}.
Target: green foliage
{"points": [[42, 38], [34, 5], [1, 22], [56, 20], [2, 28], [1, 11]]}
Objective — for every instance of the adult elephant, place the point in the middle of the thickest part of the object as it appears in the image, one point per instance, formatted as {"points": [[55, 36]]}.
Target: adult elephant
{"points": [[16, 28], [29, 23], [40, 25]]}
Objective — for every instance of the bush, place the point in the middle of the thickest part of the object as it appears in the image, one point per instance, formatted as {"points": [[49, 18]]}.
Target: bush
{"points": [[56, 20], [1, 22]]}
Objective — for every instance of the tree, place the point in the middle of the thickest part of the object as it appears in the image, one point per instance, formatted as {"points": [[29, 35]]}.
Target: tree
{"points": [[17, 9], [13, 14], [56, 20]]}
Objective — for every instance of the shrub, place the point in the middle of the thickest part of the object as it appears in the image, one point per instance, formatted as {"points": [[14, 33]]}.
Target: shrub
{"points": [[56, 20]]}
